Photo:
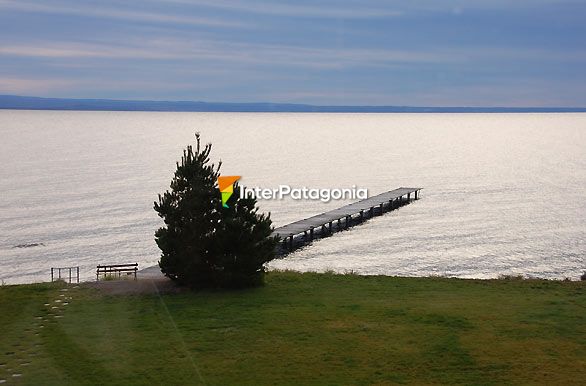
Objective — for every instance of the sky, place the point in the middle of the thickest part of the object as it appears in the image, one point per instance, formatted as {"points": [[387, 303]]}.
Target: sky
{"points": [[357, 52]]}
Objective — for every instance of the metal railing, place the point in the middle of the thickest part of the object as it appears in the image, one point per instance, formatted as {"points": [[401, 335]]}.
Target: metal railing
{"points": [[73, 274]]}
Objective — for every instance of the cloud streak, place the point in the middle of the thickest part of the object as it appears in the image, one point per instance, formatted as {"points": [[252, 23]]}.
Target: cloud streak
{"points": [[296, 9], [249, 54], [40, 85], [120, 14]]}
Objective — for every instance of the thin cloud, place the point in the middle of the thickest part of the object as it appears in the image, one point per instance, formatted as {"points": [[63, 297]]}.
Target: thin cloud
{"points": [[361, 9], [11, 85], [112, 13], [335, 11], [238, 54], [81, 50], [64, 86], [230, 54]]}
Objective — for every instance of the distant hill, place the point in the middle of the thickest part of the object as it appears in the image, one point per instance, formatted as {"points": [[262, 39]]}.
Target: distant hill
{"points": [[36, 103]]}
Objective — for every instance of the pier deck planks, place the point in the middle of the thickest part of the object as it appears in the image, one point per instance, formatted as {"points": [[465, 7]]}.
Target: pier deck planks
{"points": [[307, 224]]}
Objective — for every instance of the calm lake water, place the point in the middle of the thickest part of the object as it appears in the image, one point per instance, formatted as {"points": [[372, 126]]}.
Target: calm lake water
{"points": [[503, 193]]}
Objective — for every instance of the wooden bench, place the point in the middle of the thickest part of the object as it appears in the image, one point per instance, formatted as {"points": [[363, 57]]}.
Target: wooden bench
{"points": [[114, 269]]}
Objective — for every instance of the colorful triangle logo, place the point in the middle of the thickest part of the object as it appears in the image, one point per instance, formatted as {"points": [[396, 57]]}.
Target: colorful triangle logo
{"points": [[226, 186]]}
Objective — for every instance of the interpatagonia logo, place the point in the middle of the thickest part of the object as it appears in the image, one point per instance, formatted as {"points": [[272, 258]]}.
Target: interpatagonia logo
{"points": [[304, 193], [226, 186]]}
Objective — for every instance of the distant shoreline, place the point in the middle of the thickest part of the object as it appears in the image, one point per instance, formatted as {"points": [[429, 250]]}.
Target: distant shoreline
{"points": [[13, 102]]}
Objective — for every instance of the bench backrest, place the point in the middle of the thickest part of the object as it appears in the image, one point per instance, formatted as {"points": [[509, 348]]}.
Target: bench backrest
{"points": [[135, 265], [117, 268]]}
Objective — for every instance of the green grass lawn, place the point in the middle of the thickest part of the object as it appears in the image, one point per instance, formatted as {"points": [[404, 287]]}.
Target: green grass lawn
{"points": [[319, 329]]}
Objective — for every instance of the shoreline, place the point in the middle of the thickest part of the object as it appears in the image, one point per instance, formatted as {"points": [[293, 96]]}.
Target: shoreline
{"points": [[153, 273]]}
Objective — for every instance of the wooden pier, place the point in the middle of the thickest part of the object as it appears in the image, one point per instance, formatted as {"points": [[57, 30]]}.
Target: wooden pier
{"points": [[303, 231]]}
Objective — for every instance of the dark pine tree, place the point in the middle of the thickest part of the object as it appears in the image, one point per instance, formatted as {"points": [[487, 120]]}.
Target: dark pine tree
{"points": [[244, 243], [202, 243]]}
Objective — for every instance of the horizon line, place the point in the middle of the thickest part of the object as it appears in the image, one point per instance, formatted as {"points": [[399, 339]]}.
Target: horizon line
{"points": [[25, 102]]}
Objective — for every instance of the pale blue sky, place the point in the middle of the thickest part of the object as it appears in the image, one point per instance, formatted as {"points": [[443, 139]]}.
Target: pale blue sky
{"points": [[358, 52]]}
